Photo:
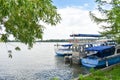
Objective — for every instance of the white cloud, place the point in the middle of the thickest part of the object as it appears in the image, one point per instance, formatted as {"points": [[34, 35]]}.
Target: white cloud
{"points": [[74, 20], [86, 5]]}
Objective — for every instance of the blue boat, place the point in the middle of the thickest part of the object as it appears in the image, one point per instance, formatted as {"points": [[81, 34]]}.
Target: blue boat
{"points": [[101, 56], [63, 50]]}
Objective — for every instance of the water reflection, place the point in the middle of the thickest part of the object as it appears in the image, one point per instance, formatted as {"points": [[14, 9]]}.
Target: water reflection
{"points": [[75, 69]]}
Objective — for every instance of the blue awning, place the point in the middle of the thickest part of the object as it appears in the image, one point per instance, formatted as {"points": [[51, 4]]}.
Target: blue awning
{"points": [[66, 45], [99, 48], [102, 51], [85, 35]]}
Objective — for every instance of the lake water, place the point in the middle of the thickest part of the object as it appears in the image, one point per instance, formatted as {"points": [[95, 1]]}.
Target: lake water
{"points": [[39, 63]]}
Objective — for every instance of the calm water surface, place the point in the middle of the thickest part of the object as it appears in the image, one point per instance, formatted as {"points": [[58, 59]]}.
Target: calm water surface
{"points": [[39, 63]]}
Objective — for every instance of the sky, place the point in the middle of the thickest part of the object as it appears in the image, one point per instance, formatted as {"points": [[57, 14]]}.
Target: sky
{"points": [[75, 19]]}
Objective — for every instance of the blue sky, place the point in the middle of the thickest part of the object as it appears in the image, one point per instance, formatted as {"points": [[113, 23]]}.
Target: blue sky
{"points": [[75, 19], [65, 3]]}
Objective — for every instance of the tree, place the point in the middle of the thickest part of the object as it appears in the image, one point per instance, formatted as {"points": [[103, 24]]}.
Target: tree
{"points": [[111, 17], [23, 19]]}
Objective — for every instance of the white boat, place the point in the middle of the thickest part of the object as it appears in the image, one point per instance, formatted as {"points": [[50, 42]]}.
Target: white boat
{"points": [[63, 49]]}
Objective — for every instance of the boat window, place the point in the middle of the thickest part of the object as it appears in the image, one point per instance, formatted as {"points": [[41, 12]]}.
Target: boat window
{"points": [[111, 43], [108, 52], [118, 50]]}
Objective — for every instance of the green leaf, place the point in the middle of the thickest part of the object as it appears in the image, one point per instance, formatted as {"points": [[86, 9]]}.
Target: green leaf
{"points": [[17, 48], [23, 18]]}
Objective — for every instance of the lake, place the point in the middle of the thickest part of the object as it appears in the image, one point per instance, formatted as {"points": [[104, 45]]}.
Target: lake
{"points": [[38, 63]]}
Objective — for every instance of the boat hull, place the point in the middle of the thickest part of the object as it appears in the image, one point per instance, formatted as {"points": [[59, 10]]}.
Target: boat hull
{"points": [[63, 53], [95, 63]]}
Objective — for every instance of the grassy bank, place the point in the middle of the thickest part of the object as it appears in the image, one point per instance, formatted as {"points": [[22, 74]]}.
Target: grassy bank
{"points": [[108, 74]]}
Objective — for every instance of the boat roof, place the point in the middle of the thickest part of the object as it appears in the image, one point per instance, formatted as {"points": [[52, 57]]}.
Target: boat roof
{"points": [[85, 35], [99, 48], [66, 45]]}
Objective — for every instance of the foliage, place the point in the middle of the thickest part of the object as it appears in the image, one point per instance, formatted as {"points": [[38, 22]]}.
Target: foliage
{"points": [[24, 19], [55, 78], [81, 77], [112, 74], [10, 55], [92, 70], [17, 48], [111, 17]]}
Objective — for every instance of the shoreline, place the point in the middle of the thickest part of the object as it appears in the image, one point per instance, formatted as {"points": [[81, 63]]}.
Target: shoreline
{"points": [[109, 68]]}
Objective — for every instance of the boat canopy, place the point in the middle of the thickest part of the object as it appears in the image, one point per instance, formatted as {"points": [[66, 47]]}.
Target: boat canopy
{"points": [[99, 48], [85, 35], [66, 45], [102, 51]]}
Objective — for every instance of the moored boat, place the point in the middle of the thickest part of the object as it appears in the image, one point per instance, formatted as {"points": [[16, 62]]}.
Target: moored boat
{"points": [[101, 56], [63, 49]]}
